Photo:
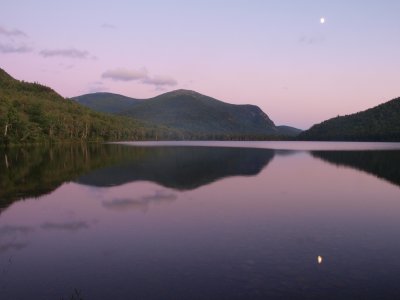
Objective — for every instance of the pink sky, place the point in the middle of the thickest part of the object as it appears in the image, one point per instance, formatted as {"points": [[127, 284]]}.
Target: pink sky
{"points": [[273, 54]]}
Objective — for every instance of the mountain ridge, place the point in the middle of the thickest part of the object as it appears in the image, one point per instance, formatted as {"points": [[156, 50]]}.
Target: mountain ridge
{"points": [[193, 112]]}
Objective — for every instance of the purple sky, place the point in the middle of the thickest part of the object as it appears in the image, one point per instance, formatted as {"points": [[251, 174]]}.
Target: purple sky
{"points": [[274, 54]]}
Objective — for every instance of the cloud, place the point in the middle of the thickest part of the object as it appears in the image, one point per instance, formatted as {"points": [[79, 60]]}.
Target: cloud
{"points": [[307, 40], [108, 26], [10, 230], [12, 45], [12, 246], [70, 53], [141, 76], [9, 48], [12, 32], [123, 204], [160, 81], [125, 75], [142, 203], [67, 226], [159, 196]]}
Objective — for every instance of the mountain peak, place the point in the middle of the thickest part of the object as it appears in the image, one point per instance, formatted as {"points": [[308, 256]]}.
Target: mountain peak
{"points": [[180, 92]]}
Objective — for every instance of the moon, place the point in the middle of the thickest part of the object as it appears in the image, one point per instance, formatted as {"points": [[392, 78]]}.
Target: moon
{"points": [[322, 20]]}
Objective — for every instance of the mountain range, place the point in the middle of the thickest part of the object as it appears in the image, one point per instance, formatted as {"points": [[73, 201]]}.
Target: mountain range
{"points": [[189, 111], [34, 113]]}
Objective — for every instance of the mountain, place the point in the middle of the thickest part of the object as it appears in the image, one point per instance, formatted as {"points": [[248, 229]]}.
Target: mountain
{"points": [[200, 116], [380, 123], [32, 113], [31, 171], [288, 130], [189, 110], [107, 102]]}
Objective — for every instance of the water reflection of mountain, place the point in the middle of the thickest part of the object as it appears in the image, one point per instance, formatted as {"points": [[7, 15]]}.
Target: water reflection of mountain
{"points": [[382, 164], [36, 171], [181, 168]]}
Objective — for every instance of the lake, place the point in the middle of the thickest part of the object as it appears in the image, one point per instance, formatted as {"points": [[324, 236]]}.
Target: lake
{"points": [[200, 220]]}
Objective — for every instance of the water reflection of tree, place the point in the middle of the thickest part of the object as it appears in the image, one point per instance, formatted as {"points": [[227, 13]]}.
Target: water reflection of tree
{"points": [[35, 171], [382, 164]]}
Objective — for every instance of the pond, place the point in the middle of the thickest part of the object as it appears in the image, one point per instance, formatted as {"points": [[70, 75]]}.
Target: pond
{"points": [[200, 220]]}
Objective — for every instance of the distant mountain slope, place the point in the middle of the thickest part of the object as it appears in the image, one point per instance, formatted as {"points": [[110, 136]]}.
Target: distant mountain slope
{"points": [[189, 110], [195, 115], [107, 102], [31, 113], [381, 123], [288, 130]]}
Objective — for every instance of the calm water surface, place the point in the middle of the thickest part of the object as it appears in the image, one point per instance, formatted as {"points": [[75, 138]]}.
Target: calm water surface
{"points": [[224, 220]]}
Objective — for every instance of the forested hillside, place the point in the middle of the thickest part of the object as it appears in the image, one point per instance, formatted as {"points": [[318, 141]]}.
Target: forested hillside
{"points": [[380, 123], [32, 113]]}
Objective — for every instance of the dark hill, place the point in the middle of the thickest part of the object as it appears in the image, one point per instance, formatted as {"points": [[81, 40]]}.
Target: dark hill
{"points": [[381, 123], [107, 102], [191, 111]]}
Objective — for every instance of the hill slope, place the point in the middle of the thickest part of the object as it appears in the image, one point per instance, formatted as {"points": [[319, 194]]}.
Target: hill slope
{"points": [[107, 102], [31, 112], [288, 130], [381, 123], [188, 110]]}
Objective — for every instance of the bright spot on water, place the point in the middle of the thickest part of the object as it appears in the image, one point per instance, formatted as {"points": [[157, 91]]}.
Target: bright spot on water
{"points": [[319, 259]]}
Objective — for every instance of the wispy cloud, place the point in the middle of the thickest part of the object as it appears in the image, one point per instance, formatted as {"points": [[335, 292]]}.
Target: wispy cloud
{"points": [[10, 48], [158, 80], [122, 204], [125, 75], [141, 76], [96, 87], [10, 230], [12, 32], [12, 42], [108, 26], [12, 246], [67, 226], [69, 53]]}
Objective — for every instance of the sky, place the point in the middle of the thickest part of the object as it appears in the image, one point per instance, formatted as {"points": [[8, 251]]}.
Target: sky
{"points": [[272, 53]]}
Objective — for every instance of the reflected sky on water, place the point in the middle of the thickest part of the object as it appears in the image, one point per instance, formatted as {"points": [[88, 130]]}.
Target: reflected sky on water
{"points": [[123, 222]]}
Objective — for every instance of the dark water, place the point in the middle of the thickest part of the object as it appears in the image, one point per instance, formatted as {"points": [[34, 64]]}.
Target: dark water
{"points": [[276, 221]]}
